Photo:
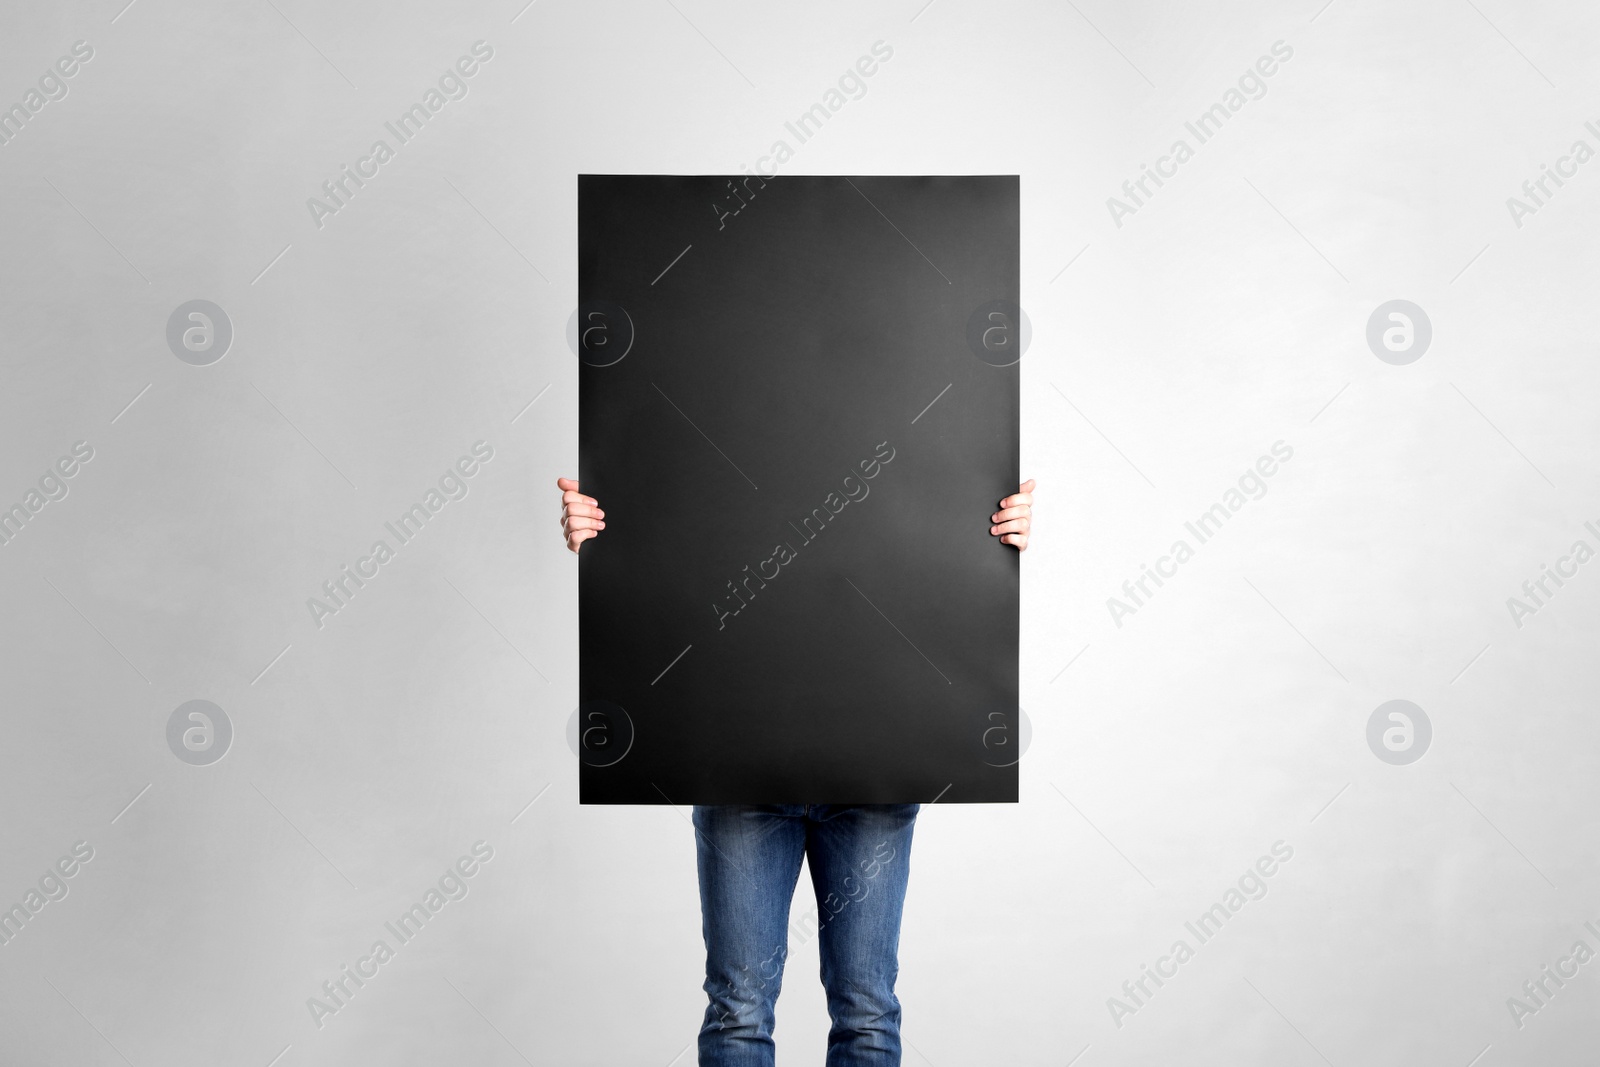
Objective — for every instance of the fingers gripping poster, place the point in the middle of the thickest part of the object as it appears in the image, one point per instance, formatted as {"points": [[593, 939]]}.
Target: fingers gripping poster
{"points": [[798, 411]]}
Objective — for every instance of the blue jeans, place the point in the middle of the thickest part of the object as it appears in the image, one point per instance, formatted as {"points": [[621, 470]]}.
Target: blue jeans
{"points": [[749, 860]]}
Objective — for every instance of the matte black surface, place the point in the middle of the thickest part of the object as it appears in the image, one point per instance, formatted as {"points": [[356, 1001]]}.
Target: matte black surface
{"points": [[790, 343]]}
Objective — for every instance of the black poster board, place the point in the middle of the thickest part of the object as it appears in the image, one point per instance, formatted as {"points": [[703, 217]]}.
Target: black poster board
{"points": [[798, 404]]}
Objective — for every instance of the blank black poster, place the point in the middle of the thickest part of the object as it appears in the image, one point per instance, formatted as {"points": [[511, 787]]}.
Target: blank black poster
{"points": [[798, 409]]}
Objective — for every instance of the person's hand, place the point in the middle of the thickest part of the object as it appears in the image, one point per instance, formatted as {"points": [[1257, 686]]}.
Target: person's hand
{"points": [[1011, 521], [581, 517]]}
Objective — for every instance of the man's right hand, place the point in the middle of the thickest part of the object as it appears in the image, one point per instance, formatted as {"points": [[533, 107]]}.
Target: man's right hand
{"points": [[581, 517]]}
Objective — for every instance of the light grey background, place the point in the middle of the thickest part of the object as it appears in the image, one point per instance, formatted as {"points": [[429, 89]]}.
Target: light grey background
{"points": [[1230, 712]]}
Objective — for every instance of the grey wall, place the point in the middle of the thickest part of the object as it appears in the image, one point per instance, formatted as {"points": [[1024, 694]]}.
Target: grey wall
{"points": [[1174, 344]]}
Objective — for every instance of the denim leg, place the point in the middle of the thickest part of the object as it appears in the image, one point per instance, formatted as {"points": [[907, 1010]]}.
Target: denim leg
{"points": [[748, 858], [860, 862]]}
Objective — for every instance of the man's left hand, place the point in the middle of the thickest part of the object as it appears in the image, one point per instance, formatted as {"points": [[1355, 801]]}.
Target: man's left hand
{"points": [[1011, 522]]}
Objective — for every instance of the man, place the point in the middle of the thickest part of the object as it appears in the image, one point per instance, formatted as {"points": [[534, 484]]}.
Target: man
{"points": [[748, 861]]}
